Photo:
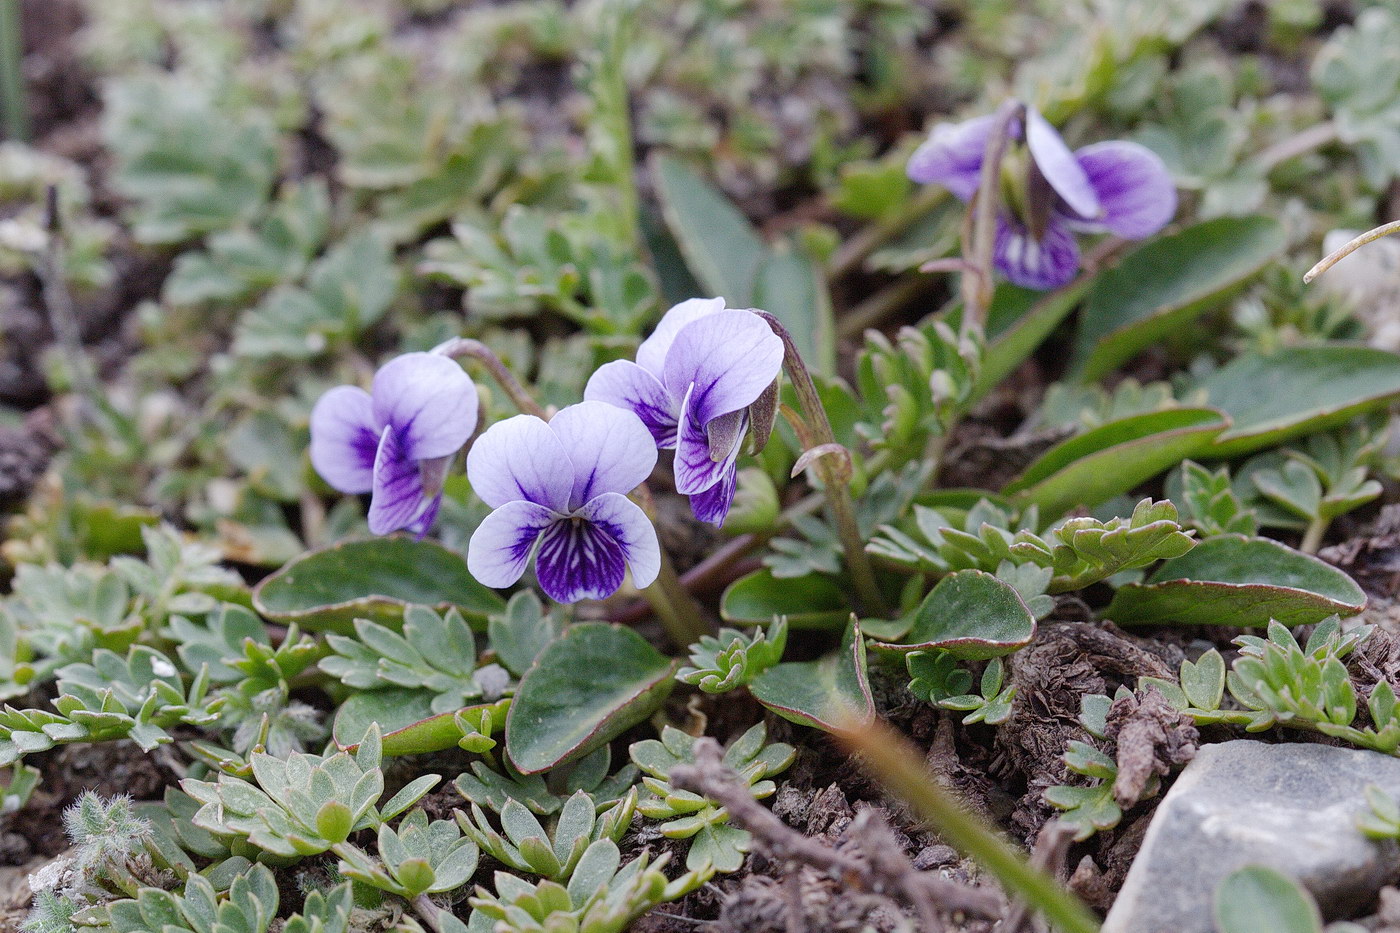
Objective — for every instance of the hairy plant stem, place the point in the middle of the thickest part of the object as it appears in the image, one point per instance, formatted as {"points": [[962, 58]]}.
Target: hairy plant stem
{"points": [[900, 767], [979, 242], [425, 908], [14, 109], [1336, 256], [834, 485], [459, 347]]}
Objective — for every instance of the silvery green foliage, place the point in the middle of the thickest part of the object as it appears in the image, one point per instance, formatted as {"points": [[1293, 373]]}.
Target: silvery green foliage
{"points": [[103, 833], [1080, 551], [1078, 407], [720, 663], [520, 633], [938, 678], [1382, 817], [494, 790], [418, 857], [51, 913], [1323, 478], [1209, 502], [525, 845], [600, 897], [687, 815], [1277, 681], [435, 652], [1092, 807], [303, 804]]}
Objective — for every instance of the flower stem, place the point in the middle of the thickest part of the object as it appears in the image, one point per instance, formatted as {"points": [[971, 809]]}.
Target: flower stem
{"points": [[458, 347], [425, 908], [1312, 537], [979, 246], [834, 485], [676, 609], [897, 765], [1336, 256]]}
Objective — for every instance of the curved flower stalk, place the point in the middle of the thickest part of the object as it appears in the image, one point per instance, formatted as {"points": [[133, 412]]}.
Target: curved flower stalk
{"points": [[559, 490], [396, 440], [692, 385], [1049, 193]]}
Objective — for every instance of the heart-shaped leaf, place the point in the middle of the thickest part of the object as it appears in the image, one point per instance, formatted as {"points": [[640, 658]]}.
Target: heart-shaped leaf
{"points": [[375, 579], [406, 719], [584, 689], [1101, 463], [812, 601], [1259, 899], [1296, 391], [1238, 581], [1159, 287], [971, 615], [825, 693]]}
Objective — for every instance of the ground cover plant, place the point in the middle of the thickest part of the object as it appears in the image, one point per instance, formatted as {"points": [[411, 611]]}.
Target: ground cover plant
{"points": [[610, 465]]}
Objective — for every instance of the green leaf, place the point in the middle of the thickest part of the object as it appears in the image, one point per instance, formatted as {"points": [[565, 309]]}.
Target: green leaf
{"points": [[1160, 287], [717, 241], [826, 693], [1203, 681], [406, 719], [812, 601], [522, 631], [1295, 391], [790, 286], [1018, 321], [373, 579], [1113, 458], [971, 615], [1238, 581], [1258, 899], [585, 689]]}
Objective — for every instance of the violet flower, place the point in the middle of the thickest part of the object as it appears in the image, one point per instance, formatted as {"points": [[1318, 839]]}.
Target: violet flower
{"points": [[1049, 193], [559, 490], [692, 385], [396, 440]]}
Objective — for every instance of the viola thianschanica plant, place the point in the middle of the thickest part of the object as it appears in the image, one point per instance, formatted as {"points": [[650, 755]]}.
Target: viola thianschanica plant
{"points": [[692, 384], [563, 484], [397, 440], [1049, 193]]}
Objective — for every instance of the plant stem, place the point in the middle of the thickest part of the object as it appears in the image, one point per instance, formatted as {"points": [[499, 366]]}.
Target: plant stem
{"points": [[51, 267], [1312, 538], [1314, 137], [675, 608], [1336, 256], [458, 347], [835, 486], [979, 248], [425, 908], [14, 108], [900, 767]]}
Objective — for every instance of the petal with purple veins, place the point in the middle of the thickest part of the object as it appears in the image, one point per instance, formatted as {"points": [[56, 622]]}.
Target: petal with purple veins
{"points": [[420, 525], [1041, 264], [629, 526], [952, 156], [651, 355], [695, 465], [627, 385], [609, 447], [520, 458], [344, 439], [1134, 188], [431, 401], [579, 560], [1059, 166], [397, 497], [500, 547], [729, 357], [713, 504]]}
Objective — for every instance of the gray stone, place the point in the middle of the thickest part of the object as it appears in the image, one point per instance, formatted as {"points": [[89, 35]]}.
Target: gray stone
{"points": [[1291, 807]]}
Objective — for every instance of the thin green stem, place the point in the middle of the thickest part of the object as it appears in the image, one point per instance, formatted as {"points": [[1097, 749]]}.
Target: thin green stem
{"points": [[675, 608], [1336, 256], [855, 250], [1312, 538], [459, 347], [980, 247], [834, 485], [14, 108], [899, 766], [51, 265]]}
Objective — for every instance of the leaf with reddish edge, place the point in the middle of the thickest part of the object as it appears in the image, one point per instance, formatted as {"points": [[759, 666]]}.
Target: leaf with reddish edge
{"points": [[406, 719], [586, 688], [971, 615], [1238, 581], [822, 693]]}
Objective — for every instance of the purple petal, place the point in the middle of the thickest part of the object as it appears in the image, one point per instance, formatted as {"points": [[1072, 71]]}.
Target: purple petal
{"points": [[344, 439], [627, 385], [713, 504], [397, 500], [1134, 188], [500, 546], [609, 447], [952, 156], [629, 526], [696, 468], [651, 355], [1045, 264], [1059, 166], [429, 399], [520, 458], [420, 525], [730, 357], [579, 560]]}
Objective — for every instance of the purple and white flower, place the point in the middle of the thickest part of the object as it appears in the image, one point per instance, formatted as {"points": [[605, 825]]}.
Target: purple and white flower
{"points": [[396, 440], [692, 384], [559, 490], [1049, 192]]}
